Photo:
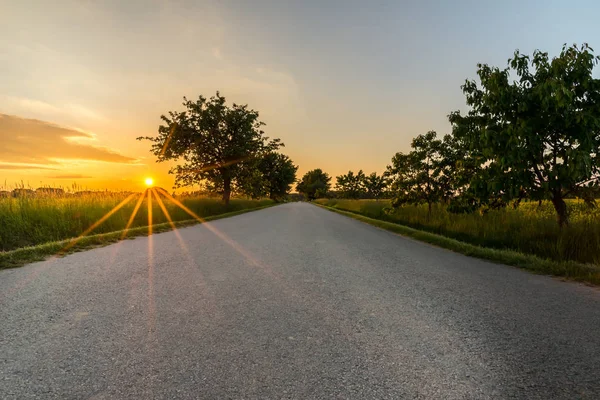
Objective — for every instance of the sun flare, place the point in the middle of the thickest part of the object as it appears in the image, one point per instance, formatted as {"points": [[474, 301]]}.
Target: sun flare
{"points": [[149, 181]]}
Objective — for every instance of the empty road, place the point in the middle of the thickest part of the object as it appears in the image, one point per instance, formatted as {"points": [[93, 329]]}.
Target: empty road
{"points": [[292, 302]]}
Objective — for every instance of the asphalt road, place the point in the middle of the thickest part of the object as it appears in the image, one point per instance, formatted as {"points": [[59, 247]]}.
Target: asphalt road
{"points": [[292, 302]]}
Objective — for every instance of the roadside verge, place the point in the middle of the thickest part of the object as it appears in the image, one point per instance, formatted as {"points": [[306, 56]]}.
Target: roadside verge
{"points": [[571, 270], [24, 255]]}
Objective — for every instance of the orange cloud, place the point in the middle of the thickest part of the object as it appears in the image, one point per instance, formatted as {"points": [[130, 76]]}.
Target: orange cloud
{"points": [[30, 141], [23, 166], [71, 176]]}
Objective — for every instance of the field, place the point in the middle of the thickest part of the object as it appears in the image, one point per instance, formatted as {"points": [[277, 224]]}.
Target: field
{"points": [[528, 229], [33, 220]]}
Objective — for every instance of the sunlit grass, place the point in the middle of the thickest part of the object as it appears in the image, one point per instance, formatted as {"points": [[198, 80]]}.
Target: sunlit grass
{"points": [[28, 221], [528, 229]]}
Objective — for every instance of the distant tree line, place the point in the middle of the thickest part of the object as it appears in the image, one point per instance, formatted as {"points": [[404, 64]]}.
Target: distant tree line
{"points": [[316, 183], [532, 132]]}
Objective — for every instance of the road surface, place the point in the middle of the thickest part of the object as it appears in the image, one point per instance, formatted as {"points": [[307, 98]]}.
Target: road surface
{"points": [[292, 302]]}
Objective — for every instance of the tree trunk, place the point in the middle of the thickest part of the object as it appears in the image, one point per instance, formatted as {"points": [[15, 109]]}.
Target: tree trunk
{"points": [[561, 210], [428, 211], [226, 188], [277, 196]]}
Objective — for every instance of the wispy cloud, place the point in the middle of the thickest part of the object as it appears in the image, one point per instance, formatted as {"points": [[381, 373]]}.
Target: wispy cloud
{"points": [[23, 166], [30, 141], [44, 109], [71, 176]]}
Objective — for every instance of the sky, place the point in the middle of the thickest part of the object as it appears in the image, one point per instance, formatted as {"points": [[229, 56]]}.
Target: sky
{"points": [[345, 84]]}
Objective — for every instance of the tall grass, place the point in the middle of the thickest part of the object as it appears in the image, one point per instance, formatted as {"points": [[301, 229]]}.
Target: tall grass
{"points": [[27, 221], [528, 229]]}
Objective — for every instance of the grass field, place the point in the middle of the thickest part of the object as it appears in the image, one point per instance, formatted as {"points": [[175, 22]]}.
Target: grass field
{"points": [[528, 229], [29, 221]]}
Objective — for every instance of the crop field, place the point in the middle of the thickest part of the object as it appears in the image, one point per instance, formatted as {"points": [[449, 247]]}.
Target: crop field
{"points": [[529, 229], [33, 220]]}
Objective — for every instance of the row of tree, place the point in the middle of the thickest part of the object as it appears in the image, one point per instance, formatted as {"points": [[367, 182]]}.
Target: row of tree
{"points": [[316, 183], [361, 186], [532, 132]]}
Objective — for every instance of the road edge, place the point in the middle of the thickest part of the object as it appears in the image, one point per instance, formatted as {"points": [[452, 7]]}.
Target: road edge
{"points": [[570, 270], [25, 255]]}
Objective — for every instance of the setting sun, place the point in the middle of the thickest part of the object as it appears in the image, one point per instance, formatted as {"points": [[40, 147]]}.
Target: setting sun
{"points": [[149, 181]]}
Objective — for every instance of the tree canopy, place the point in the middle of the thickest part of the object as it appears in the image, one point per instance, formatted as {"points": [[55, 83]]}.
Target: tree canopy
{"points": [[418, 177], [536, 135], [350, 185], [314, 184], [375, 185], [271, 175], [214, 140]]}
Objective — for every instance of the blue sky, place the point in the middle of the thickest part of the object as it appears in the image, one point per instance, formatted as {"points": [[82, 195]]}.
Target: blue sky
{"points": [[345, 84]]}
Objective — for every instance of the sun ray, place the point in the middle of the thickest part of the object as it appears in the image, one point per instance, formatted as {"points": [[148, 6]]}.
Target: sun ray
{"points": [[151, 306], [163, 208], [149, 213], [220, 165], [251, 259], [138, 204], [179, 204], [96, 224], [133, 214], [35, 273], [162, 152], [216, 165], [200, 277], [168, 216]]}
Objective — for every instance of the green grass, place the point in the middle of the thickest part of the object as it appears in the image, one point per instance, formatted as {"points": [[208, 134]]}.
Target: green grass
{"points": [[34, 228], [528, 229], [571, 270], [29, 221]]}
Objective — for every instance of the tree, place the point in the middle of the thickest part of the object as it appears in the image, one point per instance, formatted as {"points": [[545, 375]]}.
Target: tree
{"points": [[314, 184], [539, 134], [461, 168], [280, 174], [351, 186], [272, 175], [417, 177], [375, 185], [253, 183], [214, 140]]}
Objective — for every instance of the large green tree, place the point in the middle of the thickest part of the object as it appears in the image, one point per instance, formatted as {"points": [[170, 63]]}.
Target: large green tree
{"points": [[280, 174], [536, 124], [351, 185], [271, 175], [375, 185], [252, 182], [214, 140], [418, 177], [461, 167], [314, 184]]}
